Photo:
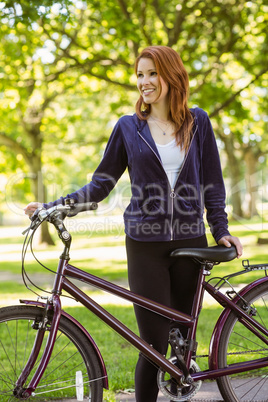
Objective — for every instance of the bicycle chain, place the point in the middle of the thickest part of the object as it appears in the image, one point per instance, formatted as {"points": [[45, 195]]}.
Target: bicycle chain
{"points": [[236, 353]]}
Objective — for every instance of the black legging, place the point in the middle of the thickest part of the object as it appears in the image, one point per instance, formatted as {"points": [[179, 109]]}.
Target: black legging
{"points": [[166, 280]]}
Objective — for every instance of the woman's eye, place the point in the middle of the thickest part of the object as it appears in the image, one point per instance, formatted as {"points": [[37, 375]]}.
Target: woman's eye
{"points": [[139, 75], [153, 73]]}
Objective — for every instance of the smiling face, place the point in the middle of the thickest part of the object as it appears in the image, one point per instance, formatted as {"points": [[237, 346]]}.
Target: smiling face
{"points": [[151, 86]]}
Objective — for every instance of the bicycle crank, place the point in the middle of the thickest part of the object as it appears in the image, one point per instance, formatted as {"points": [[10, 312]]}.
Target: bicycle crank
{"points": [[174, 391]]}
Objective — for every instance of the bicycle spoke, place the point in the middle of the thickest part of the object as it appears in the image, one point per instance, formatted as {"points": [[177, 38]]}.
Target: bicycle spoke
{"points": [[8, 380], [56, 368], [70, 386], [59, 352], [251, 389], [247, 339], [8, 357], [259, 316]]}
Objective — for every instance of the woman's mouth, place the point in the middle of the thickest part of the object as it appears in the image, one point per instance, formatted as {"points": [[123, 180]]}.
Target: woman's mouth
{"points": [[147, 92]]}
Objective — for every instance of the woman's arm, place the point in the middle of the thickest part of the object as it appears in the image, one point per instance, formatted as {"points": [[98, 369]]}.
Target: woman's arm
{"points": [[110, 169]]}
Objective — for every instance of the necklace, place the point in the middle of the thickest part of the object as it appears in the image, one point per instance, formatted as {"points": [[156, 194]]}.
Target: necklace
{"points": [[166, 124]]}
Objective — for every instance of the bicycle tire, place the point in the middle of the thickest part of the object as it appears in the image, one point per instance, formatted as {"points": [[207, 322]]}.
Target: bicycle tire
{"points": [[72, 353], [239, 344]]}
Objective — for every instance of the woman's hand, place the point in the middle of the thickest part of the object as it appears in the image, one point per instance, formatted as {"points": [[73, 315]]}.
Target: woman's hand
{"points": [[227, 241], [30, 208]]}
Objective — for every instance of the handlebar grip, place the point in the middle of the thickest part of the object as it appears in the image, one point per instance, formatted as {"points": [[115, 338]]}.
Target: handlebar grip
{"points": [[81, 207]]}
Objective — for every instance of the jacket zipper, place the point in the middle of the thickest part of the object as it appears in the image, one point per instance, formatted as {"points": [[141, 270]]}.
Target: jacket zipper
{"points": [[172, 190], [173, 194]]}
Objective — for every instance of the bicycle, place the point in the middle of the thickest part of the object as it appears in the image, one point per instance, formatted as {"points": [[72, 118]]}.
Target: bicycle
{"points": [[38, 339]]}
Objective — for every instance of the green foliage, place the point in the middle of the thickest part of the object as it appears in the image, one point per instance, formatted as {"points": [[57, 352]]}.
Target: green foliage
{"points": [[66, 74]]}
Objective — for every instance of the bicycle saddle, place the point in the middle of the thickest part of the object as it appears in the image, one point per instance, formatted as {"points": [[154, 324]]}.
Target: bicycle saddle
{"points": [[213, 254]]}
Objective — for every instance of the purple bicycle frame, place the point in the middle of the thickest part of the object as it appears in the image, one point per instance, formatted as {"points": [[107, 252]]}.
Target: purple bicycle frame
{"points": [[186, 320], [62, 283]]}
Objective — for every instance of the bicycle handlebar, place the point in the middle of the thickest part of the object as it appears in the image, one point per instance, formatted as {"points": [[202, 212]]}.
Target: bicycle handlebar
{"points": [[57, 214], [67, 210]]}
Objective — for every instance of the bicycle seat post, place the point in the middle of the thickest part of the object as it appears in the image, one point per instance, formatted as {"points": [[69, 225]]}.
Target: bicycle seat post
{"points": [[204, 270], [206, 267]]}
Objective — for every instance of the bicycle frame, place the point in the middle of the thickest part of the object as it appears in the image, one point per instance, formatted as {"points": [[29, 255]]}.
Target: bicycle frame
{"points": [[63, 283]]}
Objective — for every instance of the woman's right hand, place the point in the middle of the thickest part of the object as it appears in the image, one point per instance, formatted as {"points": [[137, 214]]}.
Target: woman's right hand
{"points": [[31, 208]]}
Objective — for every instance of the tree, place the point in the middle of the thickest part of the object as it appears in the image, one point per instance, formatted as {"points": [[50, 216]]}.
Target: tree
{"points": [[31, 83]]}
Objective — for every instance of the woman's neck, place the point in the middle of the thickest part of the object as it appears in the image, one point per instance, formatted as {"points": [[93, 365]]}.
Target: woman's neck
{"points": [[159, 113]]}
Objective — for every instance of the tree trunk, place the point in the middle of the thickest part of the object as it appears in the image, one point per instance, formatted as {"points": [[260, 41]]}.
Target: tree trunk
{"points": [[251, 161], [39, 192], [235, 176]]}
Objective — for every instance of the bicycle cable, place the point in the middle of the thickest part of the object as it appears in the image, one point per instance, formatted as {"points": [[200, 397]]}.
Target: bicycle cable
{"points": [[25, 276], [28, 241]]}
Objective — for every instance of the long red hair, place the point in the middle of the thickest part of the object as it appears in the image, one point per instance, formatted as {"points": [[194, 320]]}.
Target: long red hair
{"points": [[169, 66]]}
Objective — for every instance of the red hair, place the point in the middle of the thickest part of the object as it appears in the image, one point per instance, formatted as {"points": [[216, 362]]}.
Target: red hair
{"points": [[169, 66]]}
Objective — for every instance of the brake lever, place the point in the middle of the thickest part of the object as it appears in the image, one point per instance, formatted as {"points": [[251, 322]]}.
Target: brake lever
{"points": [[35, 219]]}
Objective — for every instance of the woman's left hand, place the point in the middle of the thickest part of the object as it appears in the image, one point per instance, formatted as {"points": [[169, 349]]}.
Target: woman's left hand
{"points": [[227, 241]]}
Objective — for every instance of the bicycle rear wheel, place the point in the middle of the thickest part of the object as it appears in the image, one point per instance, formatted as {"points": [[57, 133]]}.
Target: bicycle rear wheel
{"points": [[73, 357], [238, 344]]}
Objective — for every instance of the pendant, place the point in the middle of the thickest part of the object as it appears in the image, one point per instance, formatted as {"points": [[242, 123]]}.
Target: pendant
{"points": [[164, 133]]}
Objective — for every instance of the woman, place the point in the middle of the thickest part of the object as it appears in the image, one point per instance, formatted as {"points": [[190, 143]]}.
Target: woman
{"points": [[172, 158]]}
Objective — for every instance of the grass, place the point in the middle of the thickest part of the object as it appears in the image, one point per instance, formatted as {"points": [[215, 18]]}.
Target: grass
{"points": [[119, 356], [11, 288]]}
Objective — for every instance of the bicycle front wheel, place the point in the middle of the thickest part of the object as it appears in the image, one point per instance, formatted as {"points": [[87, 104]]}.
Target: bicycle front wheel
{"points": [[73, 368], [239, 344]]}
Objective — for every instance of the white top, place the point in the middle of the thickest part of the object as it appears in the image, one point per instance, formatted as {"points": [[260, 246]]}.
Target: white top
{"points": [[172, 157]]}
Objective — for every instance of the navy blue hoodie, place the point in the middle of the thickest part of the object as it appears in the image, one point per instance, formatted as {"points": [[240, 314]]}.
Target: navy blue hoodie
{"points": [[156, 211]]}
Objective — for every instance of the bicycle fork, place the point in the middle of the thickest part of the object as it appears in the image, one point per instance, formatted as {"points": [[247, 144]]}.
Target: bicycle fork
{"points": [[42, 327], [55, 304]]}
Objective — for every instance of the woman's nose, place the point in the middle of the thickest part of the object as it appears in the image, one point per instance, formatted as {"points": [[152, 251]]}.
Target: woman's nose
{"points": [[145, 80]]}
